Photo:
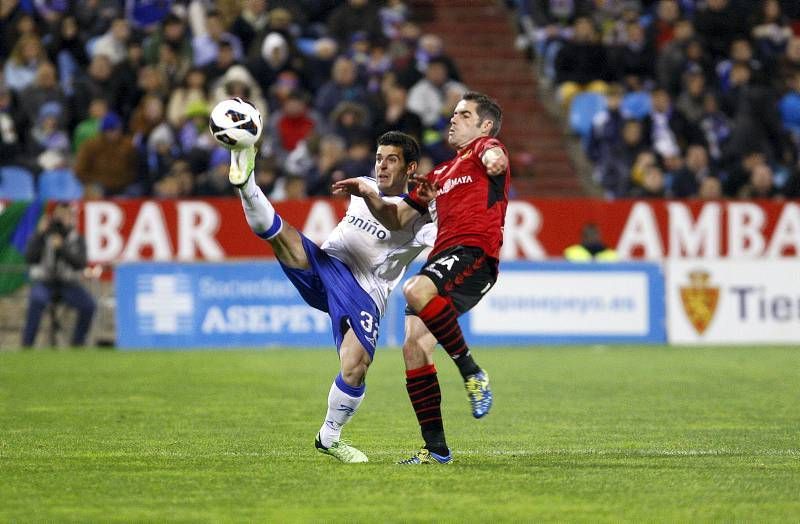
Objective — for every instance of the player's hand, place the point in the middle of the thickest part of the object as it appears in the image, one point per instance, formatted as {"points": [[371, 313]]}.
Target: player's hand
{"points": [[495, 160], [352, 186], [426, 191]]}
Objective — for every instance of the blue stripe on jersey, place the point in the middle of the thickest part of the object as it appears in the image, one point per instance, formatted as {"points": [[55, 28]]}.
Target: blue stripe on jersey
{"points": [[352, 391]]}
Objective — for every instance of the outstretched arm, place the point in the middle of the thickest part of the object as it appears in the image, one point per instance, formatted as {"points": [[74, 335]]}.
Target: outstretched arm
{"points": [[392, 216]]}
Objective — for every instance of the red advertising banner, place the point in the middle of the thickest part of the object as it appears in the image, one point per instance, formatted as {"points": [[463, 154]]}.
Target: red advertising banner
{"points": [[215, 229]]}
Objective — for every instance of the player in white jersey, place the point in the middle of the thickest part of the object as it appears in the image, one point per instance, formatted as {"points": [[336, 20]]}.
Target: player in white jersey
{"points": [[350, 276]]}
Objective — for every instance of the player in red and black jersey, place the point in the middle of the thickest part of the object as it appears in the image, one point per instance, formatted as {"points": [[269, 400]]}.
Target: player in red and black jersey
{"points": [[467, 196]]}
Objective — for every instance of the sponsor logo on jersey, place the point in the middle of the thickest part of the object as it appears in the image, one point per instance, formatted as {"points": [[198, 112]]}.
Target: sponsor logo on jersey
{"points": [[453, 182], [370, 226]]}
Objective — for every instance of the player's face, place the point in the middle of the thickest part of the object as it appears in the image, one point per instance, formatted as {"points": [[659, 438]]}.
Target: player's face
{"points": [[391, 170], [465, 126]]}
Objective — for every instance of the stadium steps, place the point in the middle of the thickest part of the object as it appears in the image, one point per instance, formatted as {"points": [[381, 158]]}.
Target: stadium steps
{"points": [[479, 35]]}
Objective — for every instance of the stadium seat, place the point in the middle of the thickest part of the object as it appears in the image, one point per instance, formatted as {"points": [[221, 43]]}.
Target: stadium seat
{"points": [[59, 184], [789, 107], [636, 105], [16, 183], [582, 110]]}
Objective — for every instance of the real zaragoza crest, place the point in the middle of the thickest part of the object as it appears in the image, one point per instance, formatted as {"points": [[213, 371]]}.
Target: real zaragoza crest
{"points": [[700, 300]]}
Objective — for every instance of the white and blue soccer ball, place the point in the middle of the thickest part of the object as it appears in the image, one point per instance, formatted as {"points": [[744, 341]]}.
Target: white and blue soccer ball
{"points": [[235, 123]]}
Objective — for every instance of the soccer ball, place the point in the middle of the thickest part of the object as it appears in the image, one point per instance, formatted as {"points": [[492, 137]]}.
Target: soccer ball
{"points": [[235, 123]]}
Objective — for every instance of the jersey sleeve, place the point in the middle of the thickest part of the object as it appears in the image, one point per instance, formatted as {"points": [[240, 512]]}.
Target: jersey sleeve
{"points": [[413, 200], [488, 144]]}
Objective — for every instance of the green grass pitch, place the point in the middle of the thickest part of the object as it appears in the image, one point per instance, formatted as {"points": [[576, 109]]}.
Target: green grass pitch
{"points": [[576, 433]]}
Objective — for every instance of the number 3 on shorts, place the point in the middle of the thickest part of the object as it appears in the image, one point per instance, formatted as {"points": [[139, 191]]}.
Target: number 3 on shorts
{"points": [[369, 324]]}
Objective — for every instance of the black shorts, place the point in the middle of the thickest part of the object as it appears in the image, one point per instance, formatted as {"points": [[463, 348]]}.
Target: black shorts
{"points": [[463, 273]]}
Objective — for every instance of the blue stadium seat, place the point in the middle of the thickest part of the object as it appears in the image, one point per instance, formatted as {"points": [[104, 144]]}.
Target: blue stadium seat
{"points": [[789, 107], [16, 183], [582, 110], [59, 184], [636, 105]]}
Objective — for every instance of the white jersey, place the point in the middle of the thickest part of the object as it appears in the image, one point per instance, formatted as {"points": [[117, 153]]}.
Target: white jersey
{"points": [[377, 257]]}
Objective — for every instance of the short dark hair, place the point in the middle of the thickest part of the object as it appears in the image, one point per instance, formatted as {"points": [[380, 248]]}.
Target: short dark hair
{"points": [[405, 142], [488, 109]]}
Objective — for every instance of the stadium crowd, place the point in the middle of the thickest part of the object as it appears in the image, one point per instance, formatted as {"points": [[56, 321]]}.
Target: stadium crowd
{"points": [[118, 92], [676, 98]]}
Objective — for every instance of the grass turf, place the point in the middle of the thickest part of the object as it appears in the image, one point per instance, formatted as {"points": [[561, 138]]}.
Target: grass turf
{"points": [[575, 434]]}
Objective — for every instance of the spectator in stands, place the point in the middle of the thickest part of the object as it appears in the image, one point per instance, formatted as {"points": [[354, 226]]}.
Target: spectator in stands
{"points": [[158, 155], [715, 127], [44, 89], [756, 121], [672, 59], [686, 181], [350, 121], [352, 17], [634, 61], [359, 160], [771, 30], [224, 60], [761, 184], [581, 64], [719, 23], [214, 180], [739, 174], [667, 129], [96, 82], [48, 147], [606, 144], [320, 63], [741, 53], [652, 183], [209, 31], [131, 78], [107, 164], [662, 29], [57, 257], [249, 24], [114, 43], [67, 49], [395, 115], [343, 86], [173, 33], [691, 100], [90, 127], [10, 142], [237, 81], [193, 88], [328, 158], [429, 47], [290, 125], [427, 97], [710, 189], [23, 63], [274, 58]]}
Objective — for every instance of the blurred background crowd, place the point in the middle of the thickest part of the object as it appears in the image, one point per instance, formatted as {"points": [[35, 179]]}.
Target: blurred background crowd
{"points": [[669, 98], [676, 98], [118, 93]]}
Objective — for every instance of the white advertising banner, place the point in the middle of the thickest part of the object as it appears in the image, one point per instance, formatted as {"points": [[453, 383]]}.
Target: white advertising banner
{"points": [[562, 302], [733, 302]]}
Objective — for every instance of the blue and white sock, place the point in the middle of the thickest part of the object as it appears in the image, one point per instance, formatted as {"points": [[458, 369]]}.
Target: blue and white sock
{"points": [[260, 214], [343, 402]]}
